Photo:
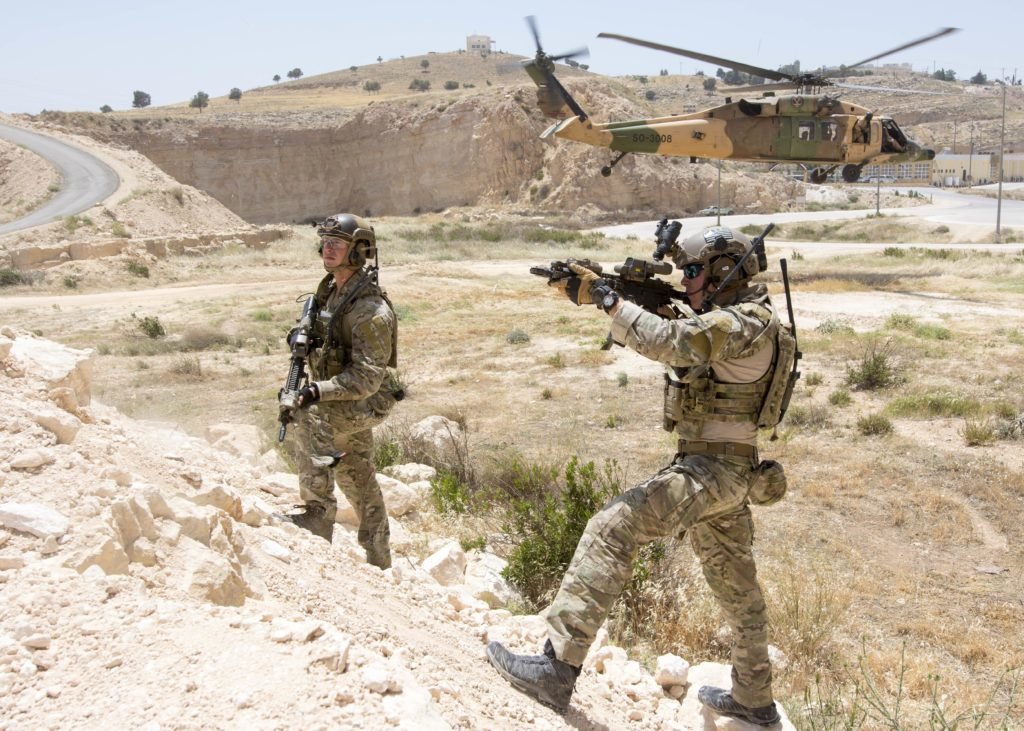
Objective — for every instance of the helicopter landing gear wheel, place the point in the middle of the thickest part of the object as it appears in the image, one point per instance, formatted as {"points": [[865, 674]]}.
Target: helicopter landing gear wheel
{"points": [[851, 173], [819, 175], [607, 169]]}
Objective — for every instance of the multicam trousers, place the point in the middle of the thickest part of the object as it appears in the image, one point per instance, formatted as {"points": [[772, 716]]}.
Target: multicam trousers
{"points": [[706, 497], [322, 430]]}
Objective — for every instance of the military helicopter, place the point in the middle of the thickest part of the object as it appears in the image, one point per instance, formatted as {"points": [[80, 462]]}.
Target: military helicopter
{"points": [[804, 127]]}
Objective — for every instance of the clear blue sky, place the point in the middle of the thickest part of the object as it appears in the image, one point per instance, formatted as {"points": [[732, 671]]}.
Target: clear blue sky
{"points": [[82, 54]]}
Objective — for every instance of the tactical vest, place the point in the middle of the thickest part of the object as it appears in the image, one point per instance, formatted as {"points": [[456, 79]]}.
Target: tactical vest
{"points": [[335, 351], [697, 396]]}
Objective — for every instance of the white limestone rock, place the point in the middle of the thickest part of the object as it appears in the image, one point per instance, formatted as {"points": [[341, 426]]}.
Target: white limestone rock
{"points": [[32, 459], [410, 473], [448, 565], [484, 580], [39, 520], [56, 364], [398, 497], [671, 670], [241, 440]]}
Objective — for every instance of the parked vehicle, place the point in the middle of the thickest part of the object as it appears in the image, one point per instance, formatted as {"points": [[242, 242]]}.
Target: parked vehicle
{"points": [[714, 211]]}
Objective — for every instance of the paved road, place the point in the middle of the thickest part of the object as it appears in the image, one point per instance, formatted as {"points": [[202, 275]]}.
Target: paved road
{"points": [[86, 180], [946, 207]]}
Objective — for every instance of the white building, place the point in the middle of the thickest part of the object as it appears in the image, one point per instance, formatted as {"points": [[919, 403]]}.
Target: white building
{"points": [[479, 44]]}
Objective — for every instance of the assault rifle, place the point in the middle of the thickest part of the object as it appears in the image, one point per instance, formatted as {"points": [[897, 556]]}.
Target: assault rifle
{"points": [[302, 342], [634, 279]]}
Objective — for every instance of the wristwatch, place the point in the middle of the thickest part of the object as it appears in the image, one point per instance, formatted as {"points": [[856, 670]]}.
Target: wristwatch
{"points": [[609, 301]]}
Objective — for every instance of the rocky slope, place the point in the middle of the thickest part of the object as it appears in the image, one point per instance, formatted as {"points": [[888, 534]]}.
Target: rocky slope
{"points": [[25, 181], [401, 157], [146, 585]]}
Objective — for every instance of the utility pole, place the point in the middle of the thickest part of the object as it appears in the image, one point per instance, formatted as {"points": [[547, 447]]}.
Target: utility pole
{"points": [[878, 194], [999, 194], [718, 221], [970, 161], [954, 136]]}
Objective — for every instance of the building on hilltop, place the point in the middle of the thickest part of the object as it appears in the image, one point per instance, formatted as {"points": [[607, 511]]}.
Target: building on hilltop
{"points": [[479, 44]]}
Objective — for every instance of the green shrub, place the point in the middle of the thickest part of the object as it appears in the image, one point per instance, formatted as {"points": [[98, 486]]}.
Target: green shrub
{"points": [[550, 517], [138, 269], [875, 370], [449, 494], [546, 394], [900, 321], [150, 326], [12, 277], [202, 337], [555, 361], [120, 231], [894, 251], [623, 379], [874, 425], [262, 315], [814, 416], [839, 397], [517, 337], [933, 403], [451, 85], [813, 379], [386, 452], [473, 544], [70, 282]]}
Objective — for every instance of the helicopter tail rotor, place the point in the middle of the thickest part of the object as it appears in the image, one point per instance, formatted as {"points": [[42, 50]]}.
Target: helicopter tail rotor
{"points": [[552, 97]]}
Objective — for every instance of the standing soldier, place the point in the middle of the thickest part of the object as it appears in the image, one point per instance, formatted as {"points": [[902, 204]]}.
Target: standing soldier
{"points": [[730, 369], [353, 384]]}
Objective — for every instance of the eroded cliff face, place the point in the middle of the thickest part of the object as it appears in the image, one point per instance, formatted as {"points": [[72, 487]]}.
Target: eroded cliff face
{"points": [[400, 159]]}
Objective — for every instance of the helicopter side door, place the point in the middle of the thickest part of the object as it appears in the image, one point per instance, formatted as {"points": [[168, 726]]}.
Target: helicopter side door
{"points": [[815, 139]]}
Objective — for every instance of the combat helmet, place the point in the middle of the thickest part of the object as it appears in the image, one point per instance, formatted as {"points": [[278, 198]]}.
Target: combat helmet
{"points": [[354, 229], [720, 249]]}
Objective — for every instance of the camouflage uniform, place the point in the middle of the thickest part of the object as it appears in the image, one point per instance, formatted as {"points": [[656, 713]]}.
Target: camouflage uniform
{"points": [[354, 370], [702, 492]]}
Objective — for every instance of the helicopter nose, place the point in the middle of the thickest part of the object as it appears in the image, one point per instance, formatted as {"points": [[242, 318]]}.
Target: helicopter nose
{"points": [[916, 152]]}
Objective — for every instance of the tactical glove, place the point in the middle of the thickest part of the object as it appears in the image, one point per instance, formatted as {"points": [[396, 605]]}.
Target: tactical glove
{"points": [[308, 396], [586, 283]]}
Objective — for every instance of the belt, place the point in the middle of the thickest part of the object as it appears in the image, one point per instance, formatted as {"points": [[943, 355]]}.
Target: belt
{"points": [[730, 449]]}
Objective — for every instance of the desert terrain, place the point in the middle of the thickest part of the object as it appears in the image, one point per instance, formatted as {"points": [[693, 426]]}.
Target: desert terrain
{"points": [[150, 586]]}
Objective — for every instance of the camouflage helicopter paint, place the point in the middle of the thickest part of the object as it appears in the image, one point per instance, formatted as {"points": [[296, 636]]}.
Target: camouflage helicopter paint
{"points": [[819, 130]]}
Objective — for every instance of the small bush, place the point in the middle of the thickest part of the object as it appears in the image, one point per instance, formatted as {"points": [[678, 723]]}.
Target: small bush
{"points": [[262, 315], [70, 282], [813, 379], [894, 251], [876, 369], [120, 231], [978, 432], [933, 403], [829, 326], [622, 379], [874, 425], [451, 85], [473, 544], [137, 269], [151, 327], [187, 365], [546, 394], [900, 321], [614, 421], [12, 277], [839, 397], [814, 416], [178, 193], [517, 337], [449, 494], [550, 515], [202, 338], [386, 452], [555, 361]]}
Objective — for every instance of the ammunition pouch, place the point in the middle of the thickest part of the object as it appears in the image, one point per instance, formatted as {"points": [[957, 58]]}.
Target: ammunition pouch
{"points": [[767, 483]]}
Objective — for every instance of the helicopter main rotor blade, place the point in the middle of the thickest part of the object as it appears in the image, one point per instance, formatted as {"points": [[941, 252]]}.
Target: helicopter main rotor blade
{"points": [[531, 21], [937, 34], [746, 68], [778, 86], [581, 52], [865, 87]]}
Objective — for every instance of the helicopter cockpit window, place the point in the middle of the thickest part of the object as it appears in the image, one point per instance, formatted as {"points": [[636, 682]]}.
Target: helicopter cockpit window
{"points": [[829, 131], [805, 131]]}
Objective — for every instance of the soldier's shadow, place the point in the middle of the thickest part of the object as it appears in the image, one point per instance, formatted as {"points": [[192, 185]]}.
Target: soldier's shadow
{"points": [[579, 720]]}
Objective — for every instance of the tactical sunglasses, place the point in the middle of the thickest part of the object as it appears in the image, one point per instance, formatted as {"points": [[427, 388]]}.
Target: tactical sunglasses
{"points": [[692, 271], [333, 242]]}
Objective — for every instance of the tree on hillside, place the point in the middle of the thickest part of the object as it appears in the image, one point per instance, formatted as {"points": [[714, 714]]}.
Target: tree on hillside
{"points": [[235, 94], [424, 64], [371, 86], [277, 77], [710, 84], [450, 85], [945, 75], [353, 69], [106, 108], [141, 99], [979, 78], [419, 85], [200, 100], [295, 73], [380, 59]]}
